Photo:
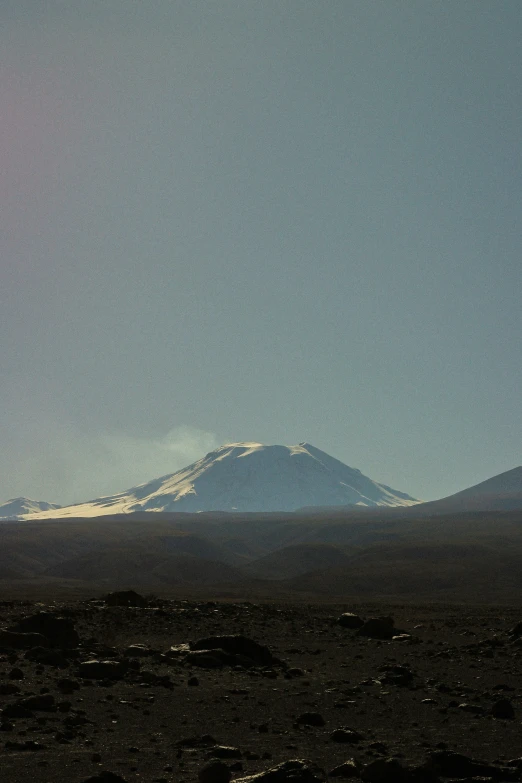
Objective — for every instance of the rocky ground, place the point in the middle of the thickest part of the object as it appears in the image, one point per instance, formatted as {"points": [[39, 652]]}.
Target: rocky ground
{"points": [[150, 693]]}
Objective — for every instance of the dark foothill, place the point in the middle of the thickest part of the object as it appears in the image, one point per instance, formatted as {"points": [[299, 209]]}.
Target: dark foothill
{"points": [[126, 598], [378, 628], [350, 620]]}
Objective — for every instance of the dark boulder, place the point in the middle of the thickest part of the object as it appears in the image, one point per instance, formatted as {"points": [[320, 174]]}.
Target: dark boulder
{"points": [[350, 620], [237, 645], [378, 628]]}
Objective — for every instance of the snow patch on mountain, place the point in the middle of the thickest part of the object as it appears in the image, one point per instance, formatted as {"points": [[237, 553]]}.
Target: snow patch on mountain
{"points": [[19, 507]]}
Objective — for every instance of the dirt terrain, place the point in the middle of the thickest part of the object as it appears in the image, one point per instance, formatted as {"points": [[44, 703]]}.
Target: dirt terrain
{"points": [[149, 694]]}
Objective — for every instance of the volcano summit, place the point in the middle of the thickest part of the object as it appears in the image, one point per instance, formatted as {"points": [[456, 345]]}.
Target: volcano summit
{"points": [[247, 477]]}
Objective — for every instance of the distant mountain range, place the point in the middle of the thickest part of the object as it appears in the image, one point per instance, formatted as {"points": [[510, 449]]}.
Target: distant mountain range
{"points": [[244, 477], [264, 521], [254, 478]]}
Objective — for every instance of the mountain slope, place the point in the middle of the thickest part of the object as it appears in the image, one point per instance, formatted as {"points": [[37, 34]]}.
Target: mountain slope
{"points": [[247, 477], [18, 507], [499, 493]]}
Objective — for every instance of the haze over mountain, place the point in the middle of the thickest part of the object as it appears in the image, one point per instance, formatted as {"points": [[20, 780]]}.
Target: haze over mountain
{"points": [[247, 477]]}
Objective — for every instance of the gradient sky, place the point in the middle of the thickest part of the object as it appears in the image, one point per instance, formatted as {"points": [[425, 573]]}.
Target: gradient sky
{"points": [[270, 220]]}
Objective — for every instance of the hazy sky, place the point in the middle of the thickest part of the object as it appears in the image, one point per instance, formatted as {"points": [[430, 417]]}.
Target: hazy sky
{"points": [[270, 220]]}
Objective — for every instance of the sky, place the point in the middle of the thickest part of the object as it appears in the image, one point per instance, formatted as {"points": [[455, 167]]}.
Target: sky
{"points": [[259, 220]]}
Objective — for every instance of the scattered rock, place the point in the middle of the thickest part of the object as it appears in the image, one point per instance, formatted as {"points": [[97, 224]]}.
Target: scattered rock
{"points": [[350, 620]]}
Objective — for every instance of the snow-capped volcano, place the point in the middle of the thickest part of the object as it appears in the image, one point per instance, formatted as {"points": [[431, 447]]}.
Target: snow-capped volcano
{"points": [[247, 477]]}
